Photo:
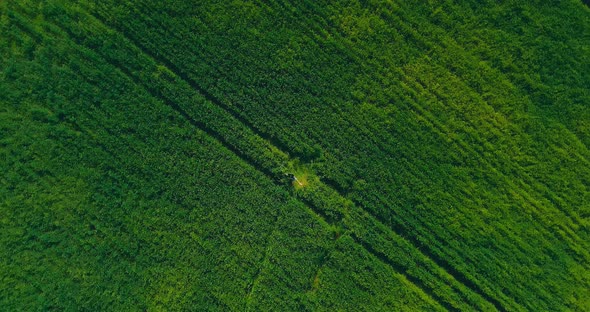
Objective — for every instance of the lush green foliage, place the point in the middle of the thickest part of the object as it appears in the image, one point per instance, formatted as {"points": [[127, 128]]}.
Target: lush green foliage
{"points": [[443, 146]]}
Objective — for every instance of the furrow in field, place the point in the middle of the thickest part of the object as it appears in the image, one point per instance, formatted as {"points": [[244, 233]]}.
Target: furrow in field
{"points": [[385, 259]]}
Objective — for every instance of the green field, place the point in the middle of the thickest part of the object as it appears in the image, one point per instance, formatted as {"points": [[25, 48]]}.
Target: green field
{"points": [[441, 151]]}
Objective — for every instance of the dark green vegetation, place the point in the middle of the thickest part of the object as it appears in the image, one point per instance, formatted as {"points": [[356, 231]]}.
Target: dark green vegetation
{"points": [[444, 146]]}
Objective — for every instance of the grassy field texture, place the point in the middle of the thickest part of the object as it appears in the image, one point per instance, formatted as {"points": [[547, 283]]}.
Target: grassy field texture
{"points": [[440, 150]]}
